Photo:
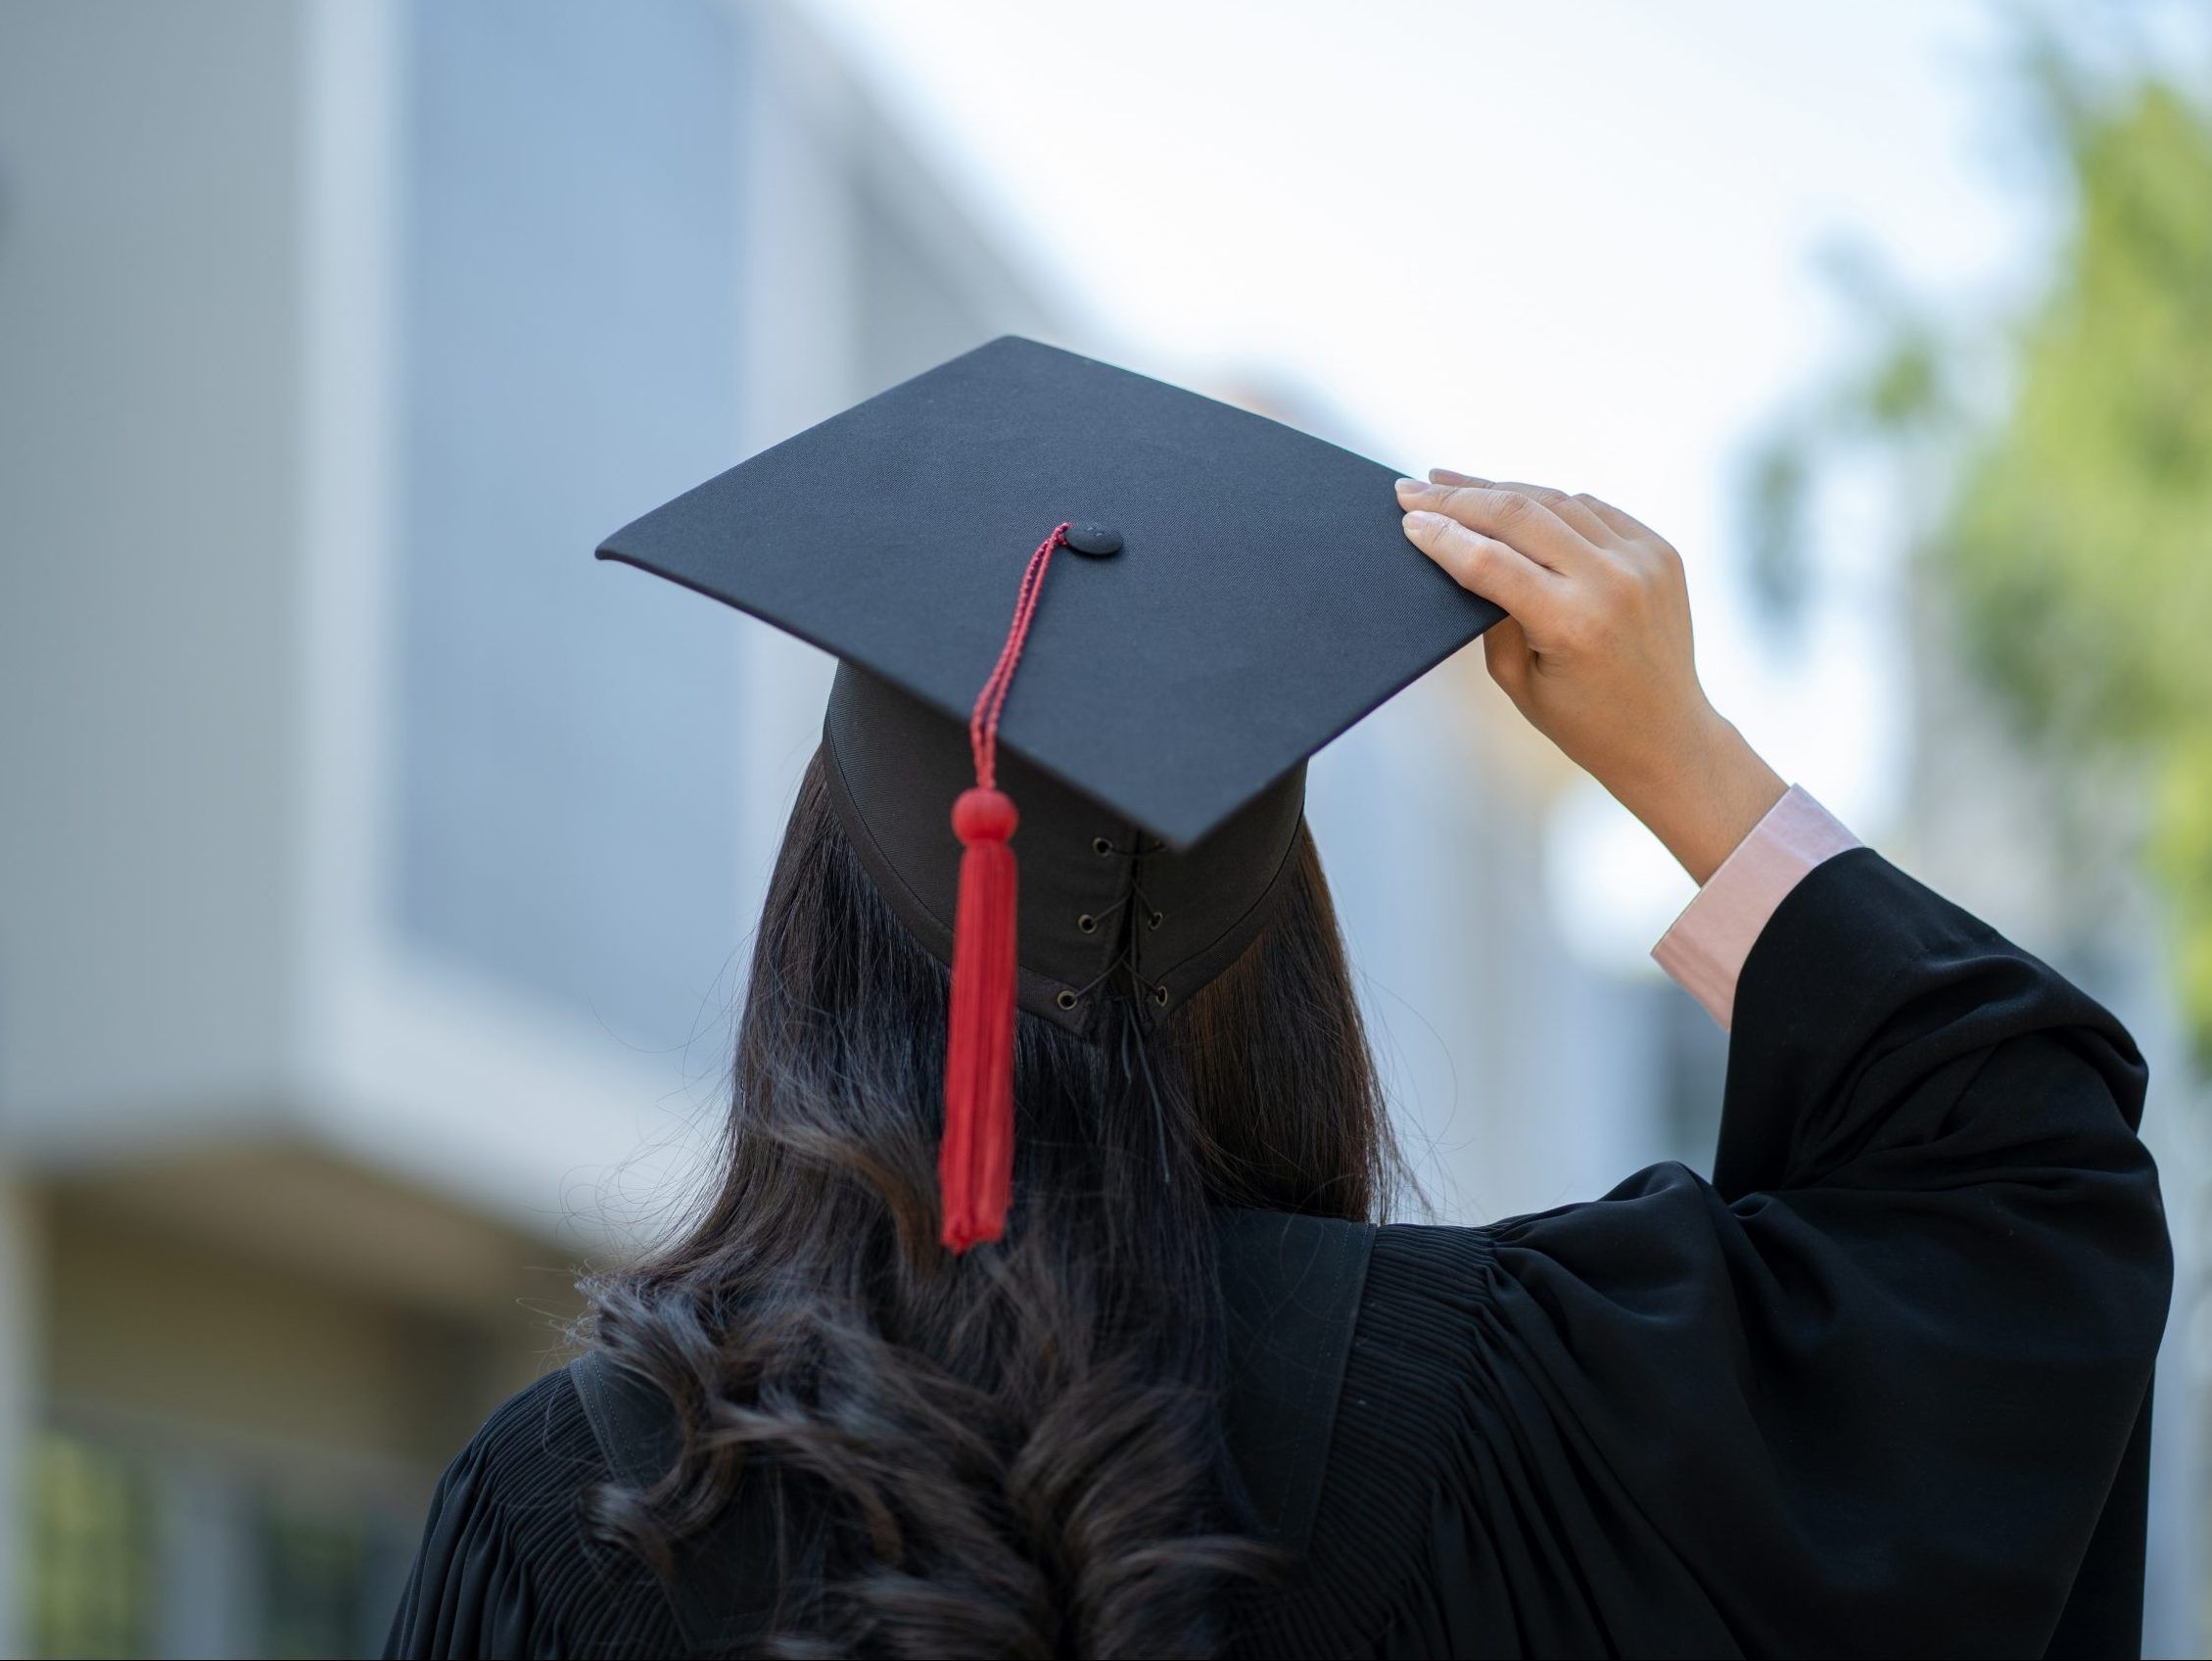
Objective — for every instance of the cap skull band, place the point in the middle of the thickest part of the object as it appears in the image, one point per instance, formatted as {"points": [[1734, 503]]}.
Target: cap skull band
{"points": [[1130, 610]]}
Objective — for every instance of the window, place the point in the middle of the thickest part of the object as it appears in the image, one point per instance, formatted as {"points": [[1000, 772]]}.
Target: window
{"points": [[137, 1552], [92, 1550]]}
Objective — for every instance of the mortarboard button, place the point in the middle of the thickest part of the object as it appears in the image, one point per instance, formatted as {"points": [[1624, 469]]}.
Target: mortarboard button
{"points": [[1092, 540]]}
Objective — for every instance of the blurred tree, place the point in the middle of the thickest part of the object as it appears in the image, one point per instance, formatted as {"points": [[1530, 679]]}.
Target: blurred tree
{"points": [[2078, 544], [2072, 534]]}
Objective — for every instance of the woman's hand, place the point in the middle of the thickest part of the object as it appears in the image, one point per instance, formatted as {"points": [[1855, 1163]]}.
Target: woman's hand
{"points": [[1596, 651]]}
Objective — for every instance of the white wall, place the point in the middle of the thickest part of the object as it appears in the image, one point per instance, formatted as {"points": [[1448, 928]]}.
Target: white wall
{"points": [[149, 462]]}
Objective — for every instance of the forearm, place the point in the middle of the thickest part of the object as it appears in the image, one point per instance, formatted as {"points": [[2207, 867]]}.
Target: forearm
{"points": [[1705, 794]]}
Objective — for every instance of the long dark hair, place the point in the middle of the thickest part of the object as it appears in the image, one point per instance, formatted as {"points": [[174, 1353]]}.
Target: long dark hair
{"points": [[1017, 1452]]}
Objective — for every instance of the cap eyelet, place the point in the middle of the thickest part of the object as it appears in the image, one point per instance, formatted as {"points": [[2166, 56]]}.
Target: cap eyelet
{"points": [[1087, 925], [1159, 918], [1068, 1000], [1160, 996], [1101, 847]]}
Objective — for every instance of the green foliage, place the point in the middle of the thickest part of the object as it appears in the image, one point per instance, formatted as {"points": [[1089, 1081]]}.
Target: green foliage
{"points": [[2071, 534], [2079, 542], [1906, 384], [2182, 849], [1780, 478], [2082, 536], [1900, 400]]}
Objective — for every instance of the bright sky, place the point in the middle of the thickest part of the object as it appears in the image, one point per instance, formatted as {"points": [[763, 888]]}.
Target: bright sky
{"points": [[1578, 243]]}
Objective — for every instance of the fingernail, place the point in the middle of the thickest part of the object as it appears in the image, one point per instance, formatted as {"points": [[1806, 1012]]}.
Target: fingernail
{"points": [[1413, 485], [1423, 521]]}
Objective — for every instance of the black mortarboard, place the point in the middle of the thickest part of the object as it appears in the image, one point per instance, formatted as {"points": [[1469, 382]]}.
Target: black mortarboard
{"points": [[1220, 597]]}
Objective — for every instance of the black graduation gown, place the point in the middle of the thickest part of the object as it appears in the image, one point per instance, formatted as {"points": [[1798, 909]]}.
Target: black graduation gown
{"points": [[1880, 1387]]}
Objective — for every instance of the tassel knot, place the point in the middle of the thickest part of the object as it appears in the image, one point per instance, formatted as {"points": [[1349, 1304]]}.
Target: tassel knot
{"points": [[984, 815]]}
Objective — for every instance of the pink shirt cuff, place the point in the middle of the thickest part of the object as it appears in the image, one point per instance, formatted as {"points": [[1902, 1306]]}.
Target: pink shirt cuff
{"points": [[1705, 949]]}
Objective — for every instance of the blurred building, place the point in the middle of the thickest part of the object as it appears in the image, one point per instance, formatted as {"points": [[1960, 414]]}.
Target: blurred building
{"points": [[374, 867], [372, 857]]}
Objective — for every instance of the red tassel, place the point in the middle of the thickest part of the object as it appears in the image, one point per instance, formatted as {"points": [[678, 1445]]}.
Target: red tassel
{"points": [[975, 1160]]}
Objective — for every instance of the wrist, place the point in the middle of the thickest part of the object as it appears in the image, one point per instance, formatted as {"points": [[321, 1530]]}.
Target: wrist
{"points": [[1702, 795]]}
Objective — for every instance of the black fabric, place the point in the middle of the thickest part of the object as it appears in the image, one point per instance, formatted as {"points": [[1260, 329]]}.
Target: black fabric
{"points": [[1095, 892], [1879, 1390], [1290, 1288], [724, 1588], [505, 1569], [2103, 1613], [1264, 598]]}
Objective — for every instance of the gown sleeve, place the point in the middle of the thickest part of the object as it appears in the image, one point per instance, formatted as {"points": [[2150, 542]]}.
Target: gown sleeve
{"points": [[1869, 1391]]}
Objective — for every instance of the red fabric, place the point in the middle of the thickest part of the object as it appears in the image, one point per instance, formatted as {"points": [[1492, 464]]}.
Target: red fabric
{"points": [[975, 1160]]}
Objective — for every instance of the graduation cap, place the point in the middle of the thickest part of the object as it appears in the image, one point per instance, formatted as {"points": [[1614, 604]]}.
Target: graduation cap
{"points": [[1107, 612]]}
